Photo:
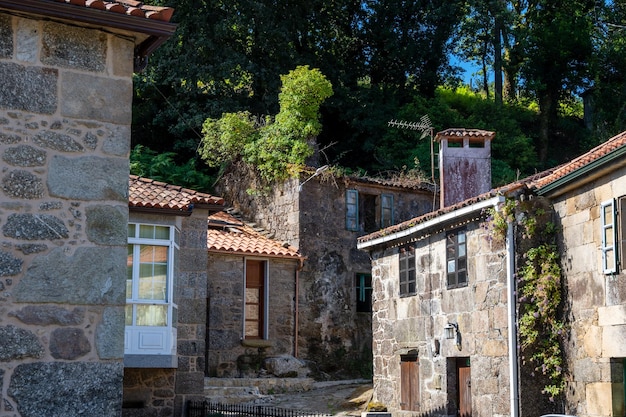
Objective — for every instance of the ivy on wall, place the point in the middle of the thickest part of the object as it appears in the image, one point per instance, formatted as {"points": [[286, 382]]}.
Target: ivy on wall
{"points": [[539, 279]]}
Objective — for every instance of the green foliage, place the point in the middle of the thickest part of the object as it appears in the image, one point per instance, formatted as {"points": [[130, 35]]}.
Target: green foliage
{"points": [[539, 289], [145, 162], [278, 148]]}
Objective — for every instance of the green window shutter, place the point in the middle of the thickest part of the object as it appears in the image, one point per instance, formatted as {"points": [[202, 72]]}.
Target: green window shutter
{"points": [[352, 210], [386, 210], [621, 231], [607, 218]]}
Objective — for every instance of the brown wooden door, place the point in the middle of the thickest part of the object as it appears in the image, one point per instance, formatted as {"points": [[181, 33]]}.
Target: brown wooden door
{"points": [[465, 387], [255, 294], [409, 384]]}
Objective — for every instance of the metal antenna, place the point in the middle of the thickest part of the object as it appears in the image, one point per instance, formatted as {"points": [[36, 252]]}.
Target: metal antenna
{"points": [[426, 127]]}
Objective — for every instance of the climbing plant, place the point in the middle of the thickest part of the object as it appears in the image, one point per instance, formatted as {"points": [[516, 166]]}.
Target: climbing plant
{"points": [[539, 288]]}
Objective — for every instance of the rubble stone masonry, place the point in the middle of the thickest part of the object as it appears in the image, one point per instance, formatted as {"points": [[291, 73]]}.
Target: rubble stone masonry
{"points": [[64, 141]]}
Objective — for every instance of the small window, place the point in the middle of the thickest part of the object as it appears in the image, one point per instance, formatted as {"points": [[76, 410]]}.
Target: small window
{"points": [[386, 210], [407, 270], [368, 212], [363, 293], [456, 258], [255, 321]]}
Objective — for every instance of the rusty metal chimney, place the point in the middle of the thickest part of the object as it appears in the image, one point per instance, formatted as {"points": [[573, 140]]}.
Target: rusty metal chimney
{"points": [[464, 164]]}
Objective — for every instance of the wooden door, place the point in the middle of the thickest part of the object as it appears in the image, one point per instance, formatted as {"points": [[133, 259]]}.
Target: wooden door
{"points": [[409, 383], [465, 387]]}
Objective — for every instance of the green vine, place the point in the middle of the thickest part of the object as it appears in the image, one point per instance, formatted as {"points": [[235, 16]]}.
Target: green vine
{"points": [[539, 289]]}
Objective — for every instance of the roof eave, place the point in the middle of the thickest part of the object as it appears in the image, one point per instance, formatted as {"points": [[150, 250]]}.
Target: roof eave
{"points": [[157, 31], [432, 223]]}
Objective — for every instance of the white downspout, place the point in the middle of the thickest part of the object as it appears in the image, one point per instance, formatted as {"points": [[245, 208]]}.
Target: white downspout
{"points": [[511, 301]]}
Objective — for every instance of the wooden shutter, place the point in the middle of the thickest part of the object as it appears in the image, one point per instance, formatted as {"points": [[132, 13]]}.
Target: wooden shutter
{"points": [[352, 210]]}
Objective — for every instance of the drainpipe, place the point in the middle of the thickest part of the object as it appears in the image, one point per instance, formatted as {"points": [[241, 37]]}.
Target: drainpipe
{"points": [[296, 330], [511, 301]]}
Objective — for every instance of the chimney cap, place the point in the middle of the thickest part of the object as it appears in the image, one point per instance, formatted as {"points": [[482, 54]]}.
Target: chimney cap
{"points": [[458, 133]]}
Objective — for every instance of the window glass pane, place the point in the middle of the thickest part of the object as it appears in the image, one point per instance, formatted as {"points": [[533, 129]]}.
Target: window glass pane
{"points": [[411, 287], [608, 214], [161, 232], [461, 251], [146, 232], [131, 230], [151, 315], [252, 295], [129, 314], [462, 277], [608, 236], [252, 312], [252, 329], [462, 263], [609, 257], [129, 272], [461, 237], [451, 266]]}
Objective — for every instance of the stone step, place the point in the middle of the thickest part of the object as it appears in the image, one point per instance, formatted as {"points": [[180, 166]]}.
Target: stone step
{"points": [[265, 386], [232, 395]]}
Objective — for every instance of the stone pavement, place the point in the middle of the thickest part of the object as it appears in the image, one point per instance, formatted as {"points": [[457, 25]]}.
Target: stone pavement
{"points": [[339, 398]]}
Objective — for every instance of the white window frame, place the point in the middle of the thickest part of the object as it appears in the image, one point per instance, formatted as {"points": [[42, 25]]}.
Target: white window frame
{"points": [[266, 298], [608, 228], [152, 340]]}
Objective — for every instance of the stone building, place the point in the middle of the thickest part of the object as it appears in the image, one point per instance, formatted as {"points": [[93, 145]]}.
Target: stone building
{"points": [[164, 342], [250, 299], [65, 114], [588, 195], [322, 215], [446, 302]]}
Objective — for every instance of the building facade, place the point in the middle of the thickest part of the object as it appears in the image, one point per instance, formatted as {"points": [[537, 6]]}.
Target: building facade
{"points": [[65, 114], [322, 215]]}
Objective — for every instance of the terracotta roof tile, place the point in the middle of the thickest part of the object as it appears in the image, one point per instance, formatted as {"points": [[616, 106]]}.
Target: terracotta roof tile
{"points": [[587, 158], [230, 235], [148, 193], [458, 132], [129, 7]]}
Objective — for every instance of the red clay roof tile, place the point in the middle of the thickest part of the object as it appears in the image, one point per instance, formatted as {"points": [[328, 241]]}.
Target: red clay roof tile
{"points": [[227, 234], [596, 153], [148, 193], [130, 7]]}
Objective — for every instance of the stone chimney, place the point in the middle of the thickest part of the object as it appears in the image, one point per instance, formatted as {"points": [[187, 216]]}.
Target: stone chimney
{"points": [[464, 164]]}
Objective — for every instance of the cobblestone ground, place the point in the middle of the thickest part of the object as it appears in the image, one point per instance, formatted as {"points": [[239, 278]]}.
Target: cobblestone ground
{"points": [[339, 398]]}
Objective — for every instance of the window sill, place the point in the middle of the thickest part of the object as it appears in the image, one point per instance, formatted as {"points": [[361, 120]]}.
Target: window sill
{"points": [[150, 361], [453, 287]]}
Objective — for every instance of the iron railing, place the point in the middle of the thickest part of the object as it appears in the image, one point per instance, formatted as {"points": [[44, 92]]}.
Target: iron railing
{"points": [[209, 409]]}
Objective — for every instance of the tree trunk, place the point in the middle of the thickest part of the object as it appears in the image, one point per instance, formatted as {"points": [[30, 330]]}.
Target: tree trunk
{"points": [[497, 58]]}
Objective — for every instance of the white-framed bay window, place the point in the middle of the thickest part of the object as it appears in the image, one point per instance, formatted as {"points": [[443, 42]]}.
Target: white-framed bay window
{"points": [[150, 310]]}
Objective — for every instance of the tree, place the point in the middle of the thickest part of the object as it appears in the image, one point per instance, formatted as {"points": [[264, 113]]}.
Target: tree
{"points": [[557, 43], [276, 148]]}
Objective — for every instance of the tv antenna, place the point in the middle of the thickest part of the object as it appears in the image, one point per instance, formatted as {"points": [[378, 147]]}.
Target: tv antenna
{"points": [[426, 127]]}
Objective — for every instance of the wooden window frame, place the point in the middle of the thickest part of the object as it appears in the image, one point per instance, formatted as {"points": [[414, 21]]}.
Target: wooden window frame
{"points": [[407, 271], [363, 293], [456, 258]]}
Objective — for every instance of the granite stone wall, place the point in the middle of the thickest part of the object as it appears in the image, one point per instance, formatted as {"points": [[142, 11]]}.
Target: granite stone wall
{"points": [[331, 332], [595, 303], [64, 142], [415, 324], [225, 320]]}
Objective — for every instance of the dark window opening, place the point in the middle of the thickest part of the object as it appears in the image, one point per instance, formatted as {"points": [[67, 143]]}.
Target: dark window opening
{"points": [[363, 293]]}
